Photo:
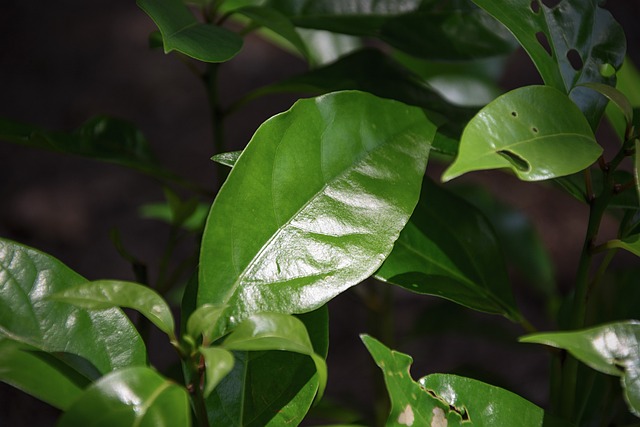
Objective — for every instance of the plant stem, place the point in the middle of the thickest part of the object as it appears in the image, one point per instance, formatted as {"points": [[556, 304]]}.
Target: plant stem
{"points": [[210, 79], [199, 406]]}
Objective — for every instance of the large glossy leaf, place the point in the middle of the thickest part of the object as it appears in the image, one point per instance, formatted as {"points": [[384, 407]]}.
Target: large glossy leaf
{"points": [[131, 397], [463, 31], [182, 32], [101, 138], [313, 204], [448, 400], [569, 43], [613, 349], [23, 369], [536, 143], [106, 338], [271, 388], [104, 294], [449, 249]]}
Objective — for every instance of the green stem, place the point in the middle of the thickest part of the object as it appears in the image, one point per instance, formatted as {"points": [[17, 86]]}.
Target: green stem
{"points": [[210, 79], [199, 406]]}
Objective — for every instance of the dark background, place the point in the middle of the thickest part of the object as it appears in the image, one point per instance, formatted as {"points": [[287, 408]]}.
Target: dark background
{"points": [[65, 61]]}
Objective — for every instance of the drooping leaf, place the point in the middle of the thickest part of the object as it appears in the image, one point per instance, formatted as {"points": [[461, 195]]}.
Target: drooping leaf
{"points": [[106, 338], [101, 138], [612, 348], [274, 331], [271, 388], [447, 400], [218, 363], [105, 294], [131, 397], [449, 249], [535, 143], [182, 32], [203, 320], [615, 96], [463, 31], [569, 44], [326, 188], [23, 369], [631, 244], [628, 83]]}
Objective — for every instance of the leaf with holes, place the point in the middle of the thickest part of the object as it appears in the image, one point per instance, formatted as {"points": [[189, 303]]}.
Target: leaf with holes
{"points": [[448, 400], [450, 250], [130, 397], [313, 204], [536, 143], [570, 43], [613, 349]]}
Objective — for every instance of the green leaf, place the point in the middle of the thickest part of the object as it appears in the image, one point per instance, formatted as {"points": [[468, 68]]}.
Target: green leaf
{"points": [[325, 189], [325, 47], [450, 250], [135, 397], [183, 33], [535, 143], [631, 244], [227, 159], [106, 338], [448, 400], [203, 320], [100, 138], [615, 96], [105, 294], [575, 186], [612, 348], [163, 212], [218, 363], [25, 370], [569, 44]]}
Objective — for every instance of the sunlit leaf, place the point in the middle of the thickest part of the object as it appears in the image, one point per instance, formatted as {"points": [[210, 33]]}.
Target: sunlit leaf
{"points": [[535, 143], [449, 249], [131, 397], [183, 33], [104, 294], [325, 189], [613, 349], [563, 51], [326, 47], [106, 338], [447, 400], [218, 363]]}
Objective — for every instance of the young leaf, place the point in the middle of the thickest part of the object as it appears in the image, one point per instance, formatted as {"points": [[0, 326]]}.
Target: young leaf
{"points": [[27, 278], [227, 159], [513, 132], [326, 188], [183, 33], [104, 294], [130, 397], [203, 320], [218, 363], [448, 400], [612, 348], [450, 250], [562, 51], [273, 331], [631, 244], [162, 211]]}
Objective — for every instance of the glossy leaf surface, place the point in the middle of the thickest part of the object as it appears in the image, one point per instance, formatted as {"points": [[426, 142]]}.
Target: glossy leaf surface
{"points": [[562, 49], [271, 388], [27, 278], [227, 159], [448, 400], [183, 33], [536, 144], [218, 363], [104, 294], [203, 321], [449, 249], [132, 397], [24, 370], [613, 349], [325, 189]]}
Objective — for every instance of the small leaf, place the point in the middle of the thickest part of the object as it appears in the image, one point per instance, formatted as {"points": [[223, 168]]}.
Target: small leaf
{"points": [[129, 398], [450, 250], [273, 331], [227, 159], [203, 321], [183, 33], [631, 244], [326, 188], [448, 400], [162, 211], [537, 144], [218, 363], [612, 348], [104, 294]]}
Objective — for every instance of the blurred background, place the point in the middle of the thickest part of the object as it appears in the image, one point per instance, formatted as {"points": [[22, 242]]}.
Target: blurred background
{"points": [[63, 62]]}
